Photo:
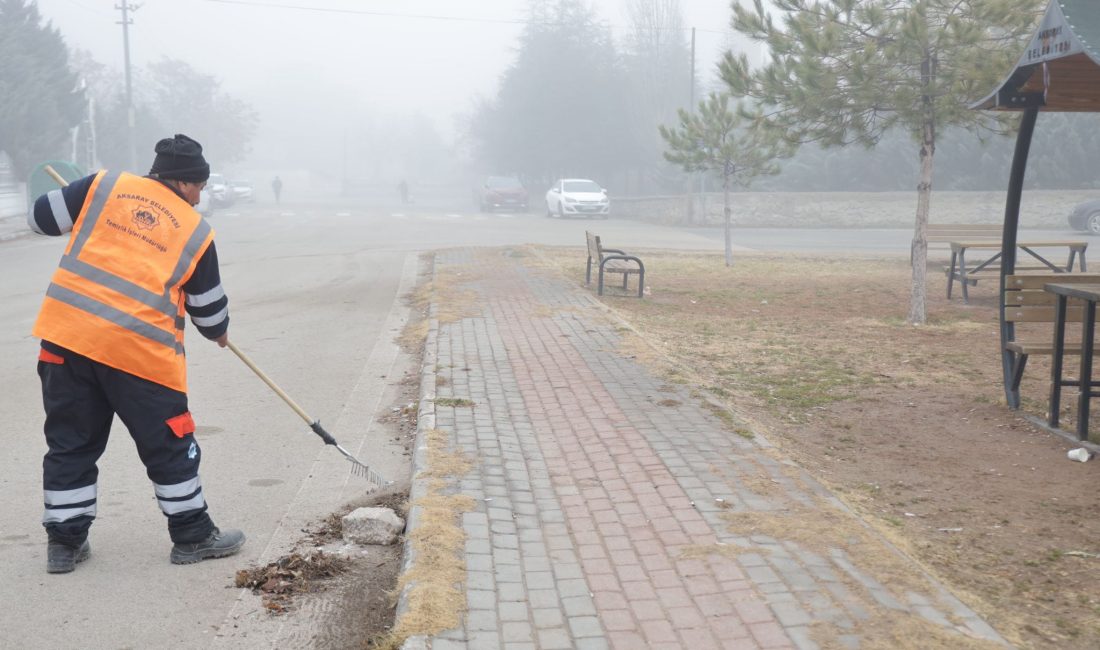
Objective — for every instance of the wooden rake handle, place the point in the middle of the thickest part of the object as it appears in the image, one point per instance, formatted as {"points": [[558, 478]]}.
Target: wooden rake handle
{"points": [[267, 380]]}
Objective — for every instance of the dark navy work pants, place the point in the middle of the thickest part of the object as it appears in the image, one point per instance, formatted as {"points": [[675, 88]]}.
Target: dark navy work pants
{"points": [[81, 398]]}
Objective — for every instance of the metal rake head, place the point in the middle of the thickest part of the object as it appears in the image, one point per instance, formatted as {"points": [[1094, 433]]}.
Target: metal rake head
{"points": [[360, 468]]}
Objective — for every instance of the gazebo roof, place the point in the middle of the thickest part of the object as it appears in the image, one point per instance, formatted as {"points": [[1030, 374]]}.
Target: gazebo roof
{"points": [[1060, 69]]}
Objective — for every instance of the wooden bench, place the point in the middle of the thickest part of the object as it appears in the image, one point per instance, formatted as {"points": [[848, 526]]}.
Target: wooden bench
{"points": [[615, 262], [1029, 307]]}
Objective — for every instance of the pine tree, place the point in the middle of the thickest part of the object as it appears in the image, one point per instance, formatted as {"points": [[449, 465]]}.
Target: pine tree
{"points": [[846, 71], [723, 140]]}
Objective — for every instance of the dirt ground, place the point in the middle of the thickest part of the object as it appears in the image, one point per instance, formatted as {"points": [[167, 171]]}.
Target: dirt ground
{"points": [[906, 424], [348, 594]]}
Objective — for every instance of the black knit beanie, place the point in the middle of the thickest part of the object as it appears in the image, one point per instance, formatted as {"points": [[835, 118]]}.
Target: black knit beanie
{"points": [[180, 158]]}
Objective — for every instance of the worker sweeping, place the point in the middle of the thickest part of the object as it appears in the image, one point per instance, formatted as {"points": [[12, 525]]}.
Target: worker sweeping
{"points": [[111, 325]]}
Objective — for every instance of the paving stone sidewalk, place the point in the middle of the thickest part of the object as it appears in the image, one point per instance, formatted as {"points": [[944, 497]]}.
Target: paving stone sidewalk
{"points": [[607, 498]]}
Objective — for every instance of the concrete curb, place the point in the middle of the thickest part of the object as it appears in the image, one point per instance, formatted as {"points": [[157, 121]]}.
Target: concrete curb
{"points": [[425, 421]]}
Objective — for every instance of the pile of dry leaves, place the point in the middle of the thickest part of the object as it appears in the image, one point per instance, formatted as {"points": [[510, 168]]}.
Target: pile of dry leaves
{"points": [[292, 574]]}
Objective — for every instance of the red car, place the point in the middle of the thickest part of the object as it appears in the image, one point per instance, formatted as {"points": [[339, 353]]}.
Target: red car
{"points": [[501, 192]]}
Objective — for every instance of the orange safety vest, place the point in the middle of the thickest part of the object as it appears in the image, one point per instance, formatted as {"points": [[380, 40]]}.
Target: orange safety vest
{"points": [[116, 296]]}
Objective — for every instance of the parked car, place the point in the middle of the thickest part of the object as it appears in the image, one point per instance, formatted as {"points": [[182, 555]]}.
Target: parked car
{"points": [[501, 192], [242, 191], [220, 194], [580, 196], [1086, 216]]}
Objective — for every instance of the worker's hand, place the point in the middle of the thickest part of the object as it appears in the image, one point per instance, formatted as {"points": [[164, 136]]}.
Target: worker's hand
{"points": [[222, 340]]}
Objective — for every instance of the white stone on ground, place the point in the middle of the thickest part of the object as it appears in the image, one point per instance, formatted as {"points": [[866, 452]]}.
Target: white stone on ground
{"points": [[372, 526]]}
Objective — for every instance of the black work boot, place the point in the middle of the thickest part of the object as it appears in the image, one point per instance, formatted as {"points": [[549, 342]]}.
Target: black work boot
{"points": [[62, 558], [217, 544]]}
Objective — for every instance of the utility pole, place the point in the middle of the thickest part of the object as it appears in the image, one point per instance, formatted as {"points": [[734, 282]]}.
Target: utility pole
{"points": [[702, 177], [691, 104], [126, 8]]}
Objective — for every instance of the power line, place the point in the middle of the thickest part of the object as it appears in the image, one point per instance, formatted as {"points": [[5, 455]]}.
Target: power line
{"points": [[87, 8], [394, 14]]}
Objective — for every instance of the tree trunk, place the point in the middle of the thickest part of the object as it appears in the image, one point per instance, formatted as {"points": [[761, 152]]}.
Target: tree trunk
{"points": [[726, 213], [919, 251], [919, 287]]}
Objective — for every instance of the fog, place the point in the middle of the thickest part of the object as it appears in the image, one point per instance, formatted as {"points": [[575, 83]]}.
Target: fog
{"points": [[333, 83], [352, 98]]}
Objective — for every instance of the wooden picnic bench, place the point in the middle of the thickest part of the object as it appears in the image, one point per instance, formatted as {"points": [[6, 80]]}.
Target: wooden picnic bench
{"points": [[967, 273], [612, 260], [1030, 312]]}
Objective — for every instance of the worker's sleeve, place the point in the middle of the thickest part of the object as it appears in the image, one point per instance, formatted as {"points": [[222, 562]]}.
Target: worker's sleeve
{"points": [[204, 297], [55, 211]]}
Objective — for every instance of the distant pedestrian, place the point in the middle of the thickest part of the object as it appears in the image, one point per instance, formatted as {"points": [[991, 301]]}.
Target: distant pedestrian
{"points": [[277, 187], [403, 189]]}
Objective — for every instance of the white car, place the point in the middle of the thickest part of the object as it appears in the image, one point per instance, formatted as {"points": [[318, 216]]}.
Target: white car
{"points": [[205, 206], [221, 196], [578, 196]]}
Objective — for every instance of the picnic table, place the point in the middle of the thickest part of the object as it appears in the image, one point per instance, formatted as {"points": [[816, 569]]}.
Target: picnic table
{"points": [[1090, 294], [964, 273]]}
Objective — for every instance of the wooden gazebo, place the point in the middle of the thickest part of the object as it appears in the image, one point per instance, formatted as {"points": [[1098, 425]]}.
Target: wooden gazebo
{"points": [[1059, 71]]}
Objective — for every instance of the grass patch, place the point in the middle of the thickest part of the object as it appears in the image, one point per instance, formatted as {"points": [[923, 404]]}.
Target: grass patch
{"points": [[456, 402]]}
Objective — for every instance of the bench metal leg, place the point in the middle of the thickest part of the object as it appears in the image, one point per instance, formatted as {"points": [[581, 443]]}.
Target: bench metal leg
{"points": [[962, 277], [1018, 373], [1080, 257], [641, 280], [1056, 360], [1014, 371], [1083, 399], [626, 276], [600, 291], [951, 274], [588, 272]]}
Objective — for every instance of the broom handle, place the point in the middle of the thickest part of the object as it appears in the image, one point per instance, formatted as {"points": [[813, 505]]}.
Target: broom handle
{"points": [[57, 177], [267, 380]]}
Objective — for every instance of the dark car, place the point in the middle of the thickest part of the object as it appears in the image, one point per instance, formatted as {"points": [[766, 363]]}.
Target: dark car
{"points": [[501, 192], [1086, 216]]}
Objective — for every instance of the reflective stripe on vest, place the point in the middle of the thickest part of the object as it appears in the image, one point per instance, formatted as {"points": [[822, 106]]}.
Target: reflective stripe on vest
{"points": [[116, 316]]}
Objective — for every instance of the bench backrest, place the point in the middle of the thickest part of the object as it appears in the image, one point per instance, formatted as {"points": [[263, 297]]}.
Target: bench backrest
{"points": [[948, 232], [594, 250], [1027, 302]]}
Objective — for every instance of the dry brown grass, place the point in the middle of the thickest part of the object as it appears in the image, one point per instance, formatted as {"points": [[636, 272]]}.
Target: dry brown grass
{"points": [[436, 598]]}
